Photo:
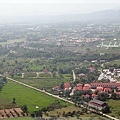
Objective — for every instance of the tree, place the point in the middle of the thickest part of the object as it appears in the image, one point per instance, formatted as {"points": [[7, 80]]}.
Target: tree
{"points": [[54, 74], [62, 85], [106, 109], [16, 61], [88, 49], [3, 60], [24, 108], [102, 96], [60, 71], [14, 101], [12, 74], [113, 96]]}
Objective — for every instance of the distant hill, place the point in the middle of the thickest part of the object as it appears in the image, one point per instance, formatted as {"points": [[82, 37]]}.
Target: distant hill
{"points": [[106, 15]]}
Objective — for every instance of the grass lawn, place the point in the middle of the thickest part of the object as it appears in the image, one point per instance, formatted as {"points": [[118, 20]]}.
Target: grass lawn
{"points": [[114, 107], [84, 116], [24, 95], [114, 62]]}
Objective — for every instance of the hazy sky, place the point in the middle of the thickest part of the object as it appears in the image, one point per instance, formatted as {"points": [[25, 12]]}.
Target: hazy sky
{"points": [[53, 7]]}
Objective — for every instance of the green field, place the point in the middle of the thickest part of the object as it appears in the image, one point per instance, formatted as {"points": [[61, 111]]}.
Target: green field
{"points": [[114, 107], [24, 95], [13, 41], [114, 62], [43, 82]]}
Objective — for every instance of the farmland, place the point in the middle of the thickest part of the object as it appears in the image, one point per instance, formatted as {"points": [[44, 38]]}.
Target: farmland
{"points": [[12, 41], [114, 107], [44, 81], [54, 52], [26, 96]]}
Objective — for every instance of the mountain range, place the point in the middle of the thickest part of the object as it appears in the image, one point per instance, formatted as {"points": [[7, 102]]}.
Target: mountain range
{"points": [[106, 15]]}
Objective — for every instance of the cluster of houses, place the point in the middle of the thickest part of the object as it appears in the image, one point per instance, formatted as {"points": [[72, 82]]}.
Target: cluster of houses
{"points": [[100, 87], [112, 86], [108, 75], [107, 83]]}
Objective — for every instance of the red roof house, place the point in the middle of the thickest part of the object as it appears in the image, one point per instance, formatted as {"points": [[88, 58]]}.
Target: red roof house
{"points": [[67, 85], [111, 85], [100, 88], [56, 88], [79, 87], [94, 95], [87, 85], [86, 88], [45, 71], [107, 90]]}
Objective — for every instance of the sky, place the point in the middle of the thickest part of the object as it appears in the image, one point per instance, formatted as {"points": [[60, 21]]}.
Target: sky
{"points": [[54, 7]]}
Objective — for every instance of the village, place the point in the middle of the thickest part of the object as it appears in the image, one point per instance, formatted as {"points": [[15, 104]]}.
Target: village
{"points": [[107, 87], [44, 67]]}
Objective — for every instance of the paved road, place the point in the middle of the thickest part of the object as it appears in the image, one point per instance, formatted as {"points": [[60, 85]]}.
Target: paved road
{"points": [[74, 76], [110, 117]]}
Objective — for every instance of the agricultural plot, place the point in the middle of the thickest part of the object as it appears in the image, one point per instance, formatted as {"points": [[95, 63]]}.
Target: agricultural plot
{"points": [[114, 62], [78, 114], [43, 82], [13, 41], [24, 95], [114, 107]]}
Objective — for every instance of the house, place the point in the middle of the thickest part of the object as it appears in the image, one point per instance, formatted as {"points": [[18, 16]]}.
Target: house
{"points": [[86, 96], [107, 90], [117, 72], [94, 96], [79, 87], [106, 70], [118, 88], [94, 61], [97, 104], [87, 85], [67, 86], [99, 88], [45, 71], [118, 94], [82, 75], [92, 69], [57, 88], [102, 76], [86, 88], [110, 85]]}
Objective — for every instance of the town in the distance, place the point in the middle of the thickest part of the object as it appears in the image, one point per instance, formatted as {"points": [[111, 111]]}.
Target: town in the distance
{"points": [[65, 71]]}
